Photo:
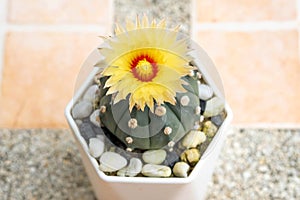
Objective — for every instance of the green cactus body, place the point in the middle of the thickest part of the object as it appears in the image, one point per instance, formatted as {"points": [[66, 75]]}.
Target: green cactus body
{"points": [[152, 131]]}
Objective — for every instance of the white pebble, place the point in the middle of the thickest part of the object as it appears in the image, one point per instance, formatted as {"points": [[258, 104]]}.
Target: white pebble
{"points": [[111, 162], [193, 139], [133, 169], [154, 156], [82, 109], [181, 169], [96, 146], [156, 170], [90, 94], [205, 92], [213, 107], [95, 118]]}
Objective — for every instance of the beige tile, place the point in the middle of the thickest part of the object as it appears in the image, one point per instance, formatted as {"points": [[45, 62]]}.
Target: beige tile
{"points": [[245, 10], [260, 72], [59, 11], [39, 76]]}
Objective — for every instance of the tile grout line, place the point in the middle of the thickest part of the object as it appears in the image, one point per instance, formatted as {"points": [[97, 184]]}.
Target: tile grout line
{"points": [[242, 26], [111, 12], [226, 26], [267, 125], [56, 28], [298, 28], [3, 30], [248, 26], [193, 20]]}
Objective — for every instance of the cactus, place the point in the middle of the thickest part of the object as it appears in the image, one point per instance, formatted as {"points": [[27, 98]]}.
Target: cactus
{"points": [[146, 129]]}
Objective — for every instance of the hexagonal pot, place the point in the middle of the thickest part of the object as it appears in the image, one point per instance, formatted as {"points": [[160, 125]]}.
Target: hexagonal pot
{"points": [[128, 188]]}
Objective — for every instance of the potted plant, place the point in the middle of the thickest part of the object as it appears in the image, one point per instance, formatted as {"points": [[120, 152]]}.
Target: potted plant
{"points": [[149, 119]]}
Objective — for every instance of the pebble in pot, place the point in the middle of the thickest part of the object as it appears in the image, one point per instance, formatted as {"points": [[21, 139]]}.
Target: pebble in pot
{"points": [[181, 169], [96, 146], [95, 118], [172, 158], [156, 170], [191, 156], [82, 109], [205, 92], [133, 169], [213, 107], [111, 162], [78, 122], [90, 94], [87, 131], [217, 120], [154, 156], [193, 139], [209, 128]]}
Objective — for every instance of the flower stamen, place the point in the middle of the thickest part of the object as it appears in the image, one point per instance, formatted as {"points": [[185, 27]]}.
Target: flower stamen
{"points": [[144, 69]]}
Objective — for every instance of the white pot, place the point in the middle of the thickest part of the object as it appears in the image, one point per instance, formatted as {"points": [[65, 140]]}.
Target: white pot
{"points": [[130, 188]]}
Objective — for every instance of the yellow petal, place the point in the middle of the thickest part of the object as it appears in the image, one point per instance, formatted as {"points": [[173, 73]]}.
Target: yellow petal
{"points": [[162, 24], [153, 23], [118, 29], [129, 25], [145, 21], [159, 44]]}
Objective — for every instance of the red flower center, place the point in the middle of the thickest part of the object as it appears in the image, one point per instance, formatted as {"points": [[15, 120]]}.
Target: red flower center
{"points": [[144, 68]]}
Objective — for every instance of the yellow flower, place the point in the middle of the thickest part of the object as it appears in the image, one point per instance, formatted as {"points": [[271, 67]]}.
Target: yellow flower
{"points": [[145, 61]]}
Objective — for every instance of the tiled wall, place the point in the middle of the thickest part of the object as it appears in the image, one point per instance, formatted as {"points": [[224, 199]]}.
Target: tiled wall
{"points": [[44, 46], [254, 44]]}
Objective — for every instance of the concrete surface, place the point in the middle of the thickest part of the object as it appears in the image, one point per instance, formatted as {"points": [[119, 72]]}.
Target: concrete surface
{"points": [[45, 164]]}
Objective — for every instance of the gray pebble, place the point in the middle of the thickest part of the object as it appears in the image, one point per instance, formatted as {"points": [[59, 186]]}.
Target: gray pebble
{"points": [[95, 118], [98, 131], [172, 158], [193, 139], [154, 156], [78, 122], [217, 120], [82, 109], [205, 92], [181, 169], [111, 162], [87, 131], [133, 169], [213, 107], [90, 94], [96, 146], [152, 170]]}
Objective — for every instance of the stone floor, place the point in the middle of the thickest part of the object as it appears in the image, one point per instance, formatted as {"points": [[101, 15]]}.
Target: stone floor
{"points": [[45, 164]]}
